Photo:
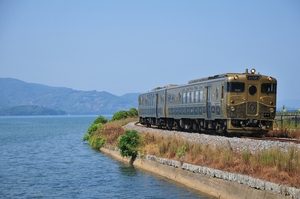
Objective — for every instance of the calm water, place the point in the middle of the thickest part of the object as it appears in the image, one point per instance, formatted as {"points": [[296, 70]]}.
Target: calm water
{"points": [[44, 157]]}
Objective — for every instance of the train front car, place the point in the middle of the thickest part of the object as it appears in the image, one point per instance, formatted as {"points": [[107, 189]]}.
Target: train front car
{"points": [[250, 103]]}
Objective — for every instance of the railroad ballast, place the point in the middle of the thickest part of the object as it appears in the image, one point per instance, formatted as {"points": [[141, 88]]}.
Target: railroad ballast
{"points": [[225, 103]]}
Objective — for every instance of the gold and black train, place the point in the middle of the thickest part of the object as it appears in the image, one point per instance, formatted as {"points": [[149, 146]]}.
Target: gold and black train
{"points": [[227, 103]]}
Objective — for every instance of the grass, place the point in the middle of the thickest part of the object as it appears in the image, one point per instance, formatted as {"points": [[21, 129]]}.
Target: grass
{"points": [[272, 164], [285, 129], [112, 130]]}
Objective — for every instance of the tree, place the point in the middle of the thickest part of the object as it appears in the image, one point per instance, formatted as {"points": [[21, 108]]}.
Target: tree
{"points": [[94, 127], [97, 125], [100, 119], [128, 144], [133, 112], [119, 115]]}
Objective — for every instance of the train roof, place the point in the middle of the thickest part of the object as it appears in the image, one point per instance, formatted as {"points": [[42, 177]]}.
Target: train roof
{"points": [[207, 78], [167, 86], [220, 76], [224, 75]]}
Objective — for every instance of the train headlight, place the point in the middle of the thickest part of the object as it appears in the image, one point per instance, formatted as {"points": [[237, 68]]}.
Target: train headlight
{"points": [[253, 71], [232, 109], [271, 103], [270, 78], [236, 77], [271, 110]]}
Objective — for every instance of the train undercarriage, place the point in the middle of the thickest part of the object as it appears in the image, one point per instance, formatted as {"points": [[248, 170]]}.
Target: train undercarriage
{"points": [[218, 126]]}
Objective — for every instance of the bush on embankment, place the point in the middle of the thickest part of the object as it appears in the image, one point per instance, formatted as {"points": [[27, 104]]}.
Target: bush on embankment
{"points": [[272, 164], [129, 143], [104, 131], [133, 112]]}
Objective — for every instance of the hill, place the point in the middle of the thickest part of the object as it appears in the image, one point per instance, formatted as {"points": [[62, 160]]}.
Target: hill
{"points": [[16, 93], [29, 110]]}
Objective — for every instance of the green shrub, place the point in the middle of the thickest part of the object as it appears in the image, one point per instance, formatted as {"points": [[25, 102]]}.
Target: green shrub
{"points": [[119, 115], [96, 142], [128, 143], [180, 152], [100, 119], [133, 112], [86, 137], [94, 127]]}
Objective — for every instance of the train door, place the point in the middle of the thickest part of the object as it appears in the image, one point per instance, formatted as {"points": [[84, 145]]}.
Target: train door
{"points": [[252, 99], [208, 102], [156, 105]]}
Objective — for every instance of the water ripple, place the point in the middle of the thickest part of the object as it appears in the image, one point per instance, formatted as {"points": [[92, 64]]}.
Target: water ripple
{"points": [[44, 157]]}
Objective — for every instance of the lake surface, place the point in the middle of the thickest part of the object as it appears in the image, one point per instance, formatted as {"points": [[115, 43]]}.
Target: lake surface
{"points": [[44, 157]]}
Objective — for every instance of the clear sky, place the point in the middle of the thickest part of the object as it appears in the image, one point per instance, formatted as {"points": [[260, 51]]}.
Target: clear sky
{"points": [[133, 46]]}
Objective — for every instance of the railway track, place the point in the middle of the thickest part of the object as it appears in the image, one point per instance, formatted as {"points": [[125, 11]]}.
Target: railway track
{"points": [[244, 137], [273, 139]]}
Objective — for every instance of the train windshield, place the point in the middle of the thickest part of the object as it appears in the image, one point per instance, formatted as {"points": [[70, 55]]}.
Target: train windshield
{"points": [[268, 88], [235, 86]]}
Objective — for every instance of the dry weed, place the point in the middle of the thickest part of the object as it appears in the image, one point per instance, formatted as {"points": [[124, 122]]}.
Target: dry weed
{"points": [[272, 164]]}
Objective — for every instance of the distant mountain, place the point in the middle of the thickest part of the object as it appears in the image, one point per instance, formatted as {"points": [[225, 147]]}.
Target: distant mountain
{"points": [[16, 93], [29, 110]]}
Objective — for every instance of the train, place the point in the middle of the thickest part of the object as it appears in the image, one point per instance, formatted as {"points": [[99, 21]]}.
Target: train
{"points": [[229, 103]]}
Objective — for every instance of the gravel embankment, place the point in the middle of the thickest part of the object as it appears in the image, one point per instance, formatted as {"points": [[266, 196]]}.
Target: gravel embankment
{"points": [[237, 144]]}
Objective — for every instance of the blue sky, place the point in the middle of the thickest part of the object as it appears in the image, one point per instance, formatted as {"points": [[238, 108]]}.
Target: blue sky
{"points": [[133, 46]]}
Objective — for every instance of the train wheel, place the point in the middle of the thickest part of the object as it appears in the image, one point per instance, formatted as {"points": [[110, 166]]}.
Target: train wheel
{"points": [[177, 127]]}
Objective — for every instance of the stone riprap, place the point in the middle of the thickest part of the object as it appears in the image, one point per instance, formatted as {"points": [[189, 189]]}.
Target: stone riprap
{"points": [[234, 177]]}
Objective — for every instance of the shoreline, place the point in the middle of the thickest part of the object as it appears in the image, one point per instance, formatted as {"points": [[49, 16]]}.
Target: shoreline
{"points": [[209, 182]]}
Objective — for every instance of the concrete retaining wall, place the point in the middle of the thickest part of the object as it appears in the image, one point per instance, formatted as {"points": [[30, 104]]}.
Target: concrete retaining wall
{"points": [[220, 184]]}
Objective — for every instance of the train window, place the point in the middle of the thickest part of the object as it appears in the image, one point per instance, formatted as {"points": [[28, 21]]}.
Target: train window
{"points": [[217, 93], [154, 100], [268, 88], [235, 86], [201, 95], [196, 96], [162, 99], [184, 98], [192, 97], [188, 97]]}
